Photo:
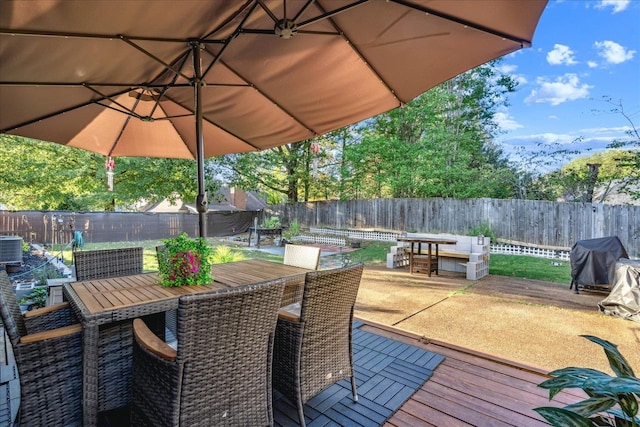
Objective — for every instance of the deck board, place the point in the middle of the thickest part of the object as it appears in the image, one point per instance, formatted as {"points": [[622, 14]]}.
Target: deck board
{"points": [[387, 374], [471, 388]]}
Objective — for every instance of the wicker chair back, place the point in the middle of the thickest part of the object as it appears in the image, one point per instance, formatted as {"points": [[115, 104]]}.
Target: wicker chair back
{"points": [[302, 256], [50, 370], [14, 322], [222, 371], [316, 351], [105, 263]]}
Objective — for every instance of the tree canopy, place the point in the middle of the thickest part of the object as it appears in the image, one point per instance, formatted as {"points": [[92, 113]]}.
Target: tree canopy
{"points": [[47, 176]]}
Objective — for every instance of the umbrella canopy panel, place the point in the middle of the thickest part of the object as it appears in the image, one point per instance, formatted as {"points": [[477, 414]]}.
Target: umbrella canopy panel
{"points": [[117, 77]]}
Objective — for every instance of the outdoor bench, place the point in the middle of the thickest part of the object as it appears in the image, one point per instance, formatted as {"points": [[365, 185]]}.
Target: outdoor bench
{"points": [[468, 255]]}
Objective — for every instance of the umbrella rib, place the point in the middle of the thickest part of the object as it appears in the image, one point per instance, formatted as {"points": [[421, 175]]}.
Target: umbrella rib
{"points": [[358, 52], [66, 35], [303, 10], [217, 58], [237, 31], [125, 109], [264, 7], [463, 22], [327, 15], [58, 112], [152, 56]]}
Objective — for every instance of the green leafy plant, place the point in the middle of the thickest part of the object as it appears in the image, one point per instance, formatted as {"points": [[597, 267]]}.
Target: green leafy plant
{"points": [[36, 299], [47, 272], [483, 229], [272, 222], [186, 262], [294, 230], [604, 391], [224, 254]]}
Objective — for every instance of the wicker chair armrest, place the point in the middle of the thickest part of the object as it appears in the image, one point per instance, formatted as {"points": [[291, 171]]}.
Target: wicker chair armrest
{"points": [[50, 334], [48, 318], [45, 310], [290, 312], [151, 342]]}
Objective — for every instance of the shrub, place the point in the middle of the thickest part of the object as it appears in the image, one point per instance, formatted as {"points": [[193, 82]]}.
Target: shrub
{"points": [[224, 254], [47, 272], [294, 230], [483, 229], [272, 222]]}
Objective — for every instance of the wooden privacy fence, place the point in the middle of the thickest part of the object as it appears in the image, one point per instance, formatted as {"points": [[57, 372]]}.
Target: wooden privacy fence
{"points": [[58, 227], [531, 222]]}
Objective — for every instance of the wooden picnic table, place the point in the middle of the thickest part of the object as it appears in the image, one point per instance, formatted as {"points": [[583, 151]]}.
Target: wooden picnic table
{"points": [[102, 305], [419, 261]]}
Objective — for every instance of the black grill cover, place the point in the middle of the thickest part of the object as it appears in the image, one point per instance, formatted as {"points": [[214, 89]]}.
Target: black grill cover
{"points": [[593, 261]]}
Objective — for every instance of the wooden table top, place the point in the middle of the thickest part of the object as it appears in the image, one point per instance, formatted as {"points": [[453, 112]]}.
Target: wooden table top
{"points": [[255, 271], [103, 295]]}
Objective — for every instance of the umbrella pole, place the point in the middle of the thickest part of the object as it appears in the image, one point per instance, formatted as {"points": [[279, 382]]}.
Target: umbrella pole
{"points": [[201, 199]]}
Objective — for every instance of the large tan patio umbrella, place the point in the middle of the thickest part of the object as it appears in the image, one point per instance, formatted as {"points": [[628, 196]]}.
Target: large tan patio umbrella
{"points": [[193, 79]]}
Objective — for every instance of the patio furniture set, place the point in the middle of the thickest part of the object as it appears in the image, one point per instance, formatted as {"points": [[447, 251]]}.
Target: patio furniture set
{"points": [[105, 347], [430, 253]]}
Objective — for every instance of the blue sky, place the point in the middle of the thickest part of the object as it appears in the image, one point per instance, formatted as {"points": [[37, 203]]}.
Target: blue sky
{"points": [[583, 51]]}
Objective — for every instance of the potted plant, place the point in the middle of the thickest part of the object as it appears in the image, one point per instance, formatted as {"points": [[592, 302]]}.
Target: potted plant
{"points": [[186, 261], [613, 401]]}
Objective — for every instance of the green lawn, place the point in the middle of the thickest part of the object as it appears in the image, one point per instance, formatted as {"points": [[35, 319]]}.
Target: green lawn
{"points": [[526, 267], [529, 267]]}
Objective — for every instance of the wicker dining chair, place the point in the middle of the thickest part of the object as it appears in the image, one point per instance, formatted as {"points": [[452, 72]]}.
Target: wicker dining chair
{"points": [[220, 372], [115, 354], [299, 256], [302, 256], [313, 344], [105, 263], [47, 347]]}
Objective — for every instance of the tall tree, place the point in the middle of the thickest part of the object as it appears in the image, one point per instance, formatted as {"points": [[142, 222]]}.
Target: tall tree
{"points": [[281, 172], [440, 144], [41, 175]]}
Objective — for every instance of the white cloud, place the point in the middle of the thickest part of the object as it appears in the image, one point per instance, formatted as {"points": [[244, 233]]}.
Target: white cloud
{"points": [[507, 68], [560, 55], [617, 5], [553, 117], [548, 138], [592, 64], [510, 69], [618, 130], [612, 52], [506, 122], [564, 88]]}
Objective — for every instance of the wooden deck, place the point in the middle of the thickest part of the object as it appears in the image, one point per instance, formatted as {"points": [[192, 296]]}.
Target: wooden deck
{"points": [[471, 388], [467, 388]]}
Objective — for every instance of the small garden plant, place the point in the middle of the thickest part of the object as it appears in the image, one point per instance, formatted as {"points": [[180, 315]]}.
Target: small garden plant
{"points": [[36, 299], [271, 222], [47, 272], [224, 254], [294, 230], [613, 401]]}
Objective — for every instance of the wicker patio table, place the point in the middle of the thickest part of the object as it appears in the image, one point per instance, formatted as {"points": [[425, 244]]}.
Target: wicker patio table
{"points": [[102, 303]]}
